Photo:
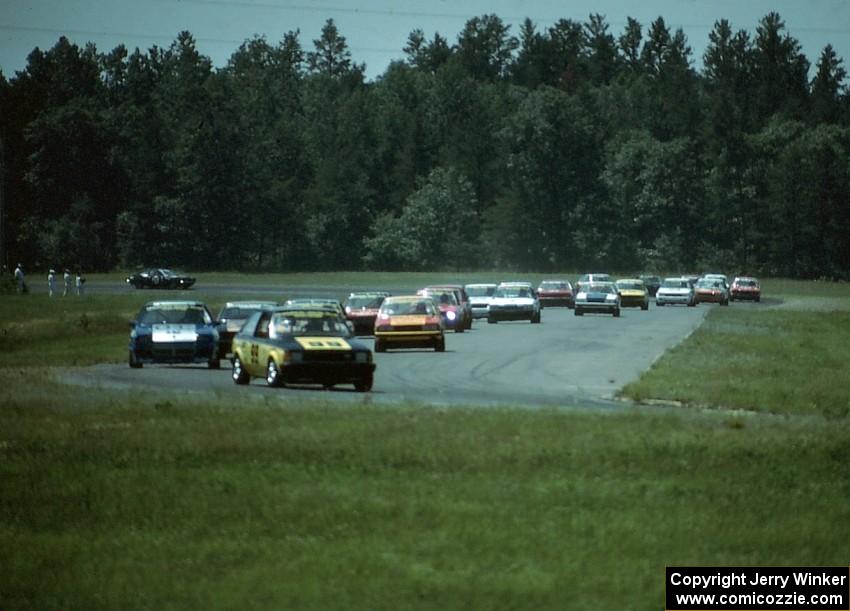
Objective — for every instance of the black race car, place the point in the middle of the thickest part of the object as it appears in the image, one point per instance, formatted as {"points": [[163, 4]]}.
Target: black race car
{"points": [[160, 278]]}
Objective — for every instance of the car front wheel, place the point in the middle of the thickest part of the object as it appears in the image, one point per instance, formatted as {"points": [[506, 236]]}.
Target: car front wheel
{"points": [[364, 385], [239, 375], [617, 313], [134, 362], [273, 377]]}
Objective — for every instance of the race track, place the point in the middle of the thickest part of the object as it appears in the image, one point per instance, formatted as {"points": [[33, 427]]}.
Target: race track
{"points": [[564, 361]]}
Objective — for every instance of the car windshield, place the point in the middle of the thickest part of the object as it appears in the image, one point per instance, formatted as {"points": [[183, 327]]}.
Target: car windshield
{"points": [[747, 283], [553, 286], [370, 302], [480, 291], [630, 286], [423, 307], [512, 292], [169, 273], [675, 284], [442, 297], [653, 279], [174, 315], [307, 323], [599, 288], [709, 284]]}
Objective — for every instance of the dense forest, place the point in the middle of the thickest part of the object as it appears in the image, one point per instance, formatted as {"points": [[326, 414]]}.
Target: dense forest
{"points": [[569, 147]]}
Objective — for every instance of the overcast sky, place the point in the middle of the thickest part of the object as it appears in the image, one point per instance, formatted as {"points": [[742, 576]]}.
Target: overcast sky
{"points": [[376, 30]]}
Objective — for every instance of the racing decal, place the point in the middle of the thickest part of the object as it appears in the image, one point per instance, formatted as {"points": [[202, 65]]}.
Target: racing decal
{"points": [[174, 333], [323, 343], [405, 321]]}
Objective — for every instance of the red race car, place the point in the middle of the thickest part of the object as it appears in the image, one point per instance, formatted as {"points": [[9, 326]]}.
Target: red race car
{"points": [[362, 309], [451, 310], [745, 287], [711, 291], [556, 293]]}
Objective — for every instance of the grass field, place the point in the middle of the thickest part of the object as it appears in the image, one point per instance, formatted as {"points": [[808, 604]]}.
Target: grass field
{"points": [[161, 501]]}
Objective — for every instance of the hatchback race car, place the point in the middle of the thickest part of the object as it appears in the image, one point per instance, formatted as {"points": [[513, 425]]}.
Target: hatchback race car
{"points": [[480, 296], [711, 291], [633, 293], [514, 301], [462, 299], [231, 318], [676, 290], [598, 297], [174, 332], [291, 345], [160, 278], [745, 287], [410, 321], [361, 309], [450, 308], [555, 293]]}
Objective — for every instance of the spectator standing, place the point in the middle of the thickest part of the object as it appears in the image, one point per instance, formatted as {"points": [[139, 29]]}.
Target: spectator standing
{"points": [[51, 282], [80, 281], [19, 278], [67, 279]]}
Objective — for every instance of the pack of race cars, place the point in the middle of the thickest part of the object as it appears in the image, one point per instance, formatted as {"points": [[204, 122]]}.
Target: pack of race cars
{"points": [[314, 341]]}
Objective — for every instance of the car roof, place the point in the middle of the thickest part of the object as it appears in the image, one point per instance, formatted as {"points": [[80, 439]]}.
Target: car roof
{"points": [[175, 302], [403, 298], [515, 283], [369, 294], [251, 304], [480, 284], [630, 280], [555, 281]]}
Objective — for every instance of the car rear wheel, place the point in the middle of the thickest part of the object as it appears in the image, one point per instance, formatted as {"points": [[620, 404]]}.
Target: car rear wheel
{"points": [[364, 385], [379, 345], [134, 362], [273, 377], [238, 373], [491, 321]]}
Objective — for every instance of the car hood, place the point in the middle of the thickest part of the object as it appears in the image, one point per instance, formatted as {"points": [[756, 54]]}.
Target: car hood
{"points": [[673, 291]]}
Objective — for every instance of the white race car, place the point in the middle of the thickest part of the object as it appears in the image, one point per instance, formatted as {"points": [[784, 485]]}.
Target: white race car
{"points": [[514, 301]]}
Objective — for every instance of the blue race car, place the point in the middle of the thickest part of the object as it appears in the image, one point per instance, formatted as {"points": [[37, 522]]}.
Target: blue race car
{"points": [[174, 332]]}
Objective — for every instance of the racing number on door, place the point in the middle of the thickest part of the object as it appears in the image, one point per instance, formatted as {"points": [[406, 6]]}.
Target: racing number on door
{"points": [[255, 354]]}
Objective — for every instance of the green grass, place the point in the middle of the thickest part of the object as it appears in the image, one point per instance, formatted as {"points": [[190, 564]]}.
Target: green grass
{"points": [[781, 361], [163, 502]]}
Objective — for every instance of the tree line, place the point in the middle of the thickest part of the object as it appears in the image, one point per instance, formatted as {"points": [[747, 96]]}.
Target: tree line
{"points": [[568, 147]]}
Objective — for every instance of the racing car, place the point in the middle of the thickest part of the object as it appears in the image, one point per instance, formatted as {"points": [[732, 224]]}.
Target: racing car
{"points": [[174, 332], [301, 345]]}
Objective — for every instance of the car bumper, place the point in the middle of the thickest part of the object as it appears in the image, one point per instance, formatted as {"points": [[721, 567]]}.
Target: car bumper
{"points": [[594, 306], [633, 302], [673, 299], [499, 314], [411, 339], [479, 311], [556, 301], [326, 373], [746, 295], [175, 353]]}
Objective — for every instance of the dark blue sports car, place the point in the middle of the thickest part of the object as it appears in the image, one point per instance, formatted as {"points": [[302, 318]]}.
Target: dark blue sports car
{"points": [[174, 332]]}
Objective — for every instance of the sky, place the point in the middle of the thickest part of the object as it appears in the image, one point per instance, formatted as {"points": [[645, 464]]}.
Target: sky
{"points": [[376, 30]]}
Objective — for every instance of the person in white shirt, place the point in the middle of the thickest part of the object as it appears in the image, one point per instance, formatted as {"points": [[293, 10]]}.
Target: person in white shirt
{"points": [[51, 282]]}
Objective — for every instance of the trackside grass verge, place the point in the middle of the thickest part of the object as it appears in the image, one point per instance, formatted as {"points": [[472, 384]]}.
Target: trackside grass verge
{"points": [[781, 361], [113, 502]]}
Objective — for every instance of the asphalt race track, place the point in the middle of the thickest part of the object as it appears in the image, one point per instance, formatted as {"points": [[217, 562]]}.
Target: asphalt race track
{"points": [[564, 361]]}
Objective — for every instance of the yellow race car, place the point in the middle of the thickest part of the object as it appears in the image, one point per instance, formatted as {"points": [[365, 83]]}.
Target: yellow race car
{"points": [[633, 293], [409, 322], [301, 345]]}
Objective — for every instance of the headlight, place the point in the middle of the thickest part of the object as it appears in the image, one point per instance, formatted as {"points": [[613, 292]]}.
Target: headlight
{"points": [[611, 297], [363, 357], [451, 315], [581, 295]]}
